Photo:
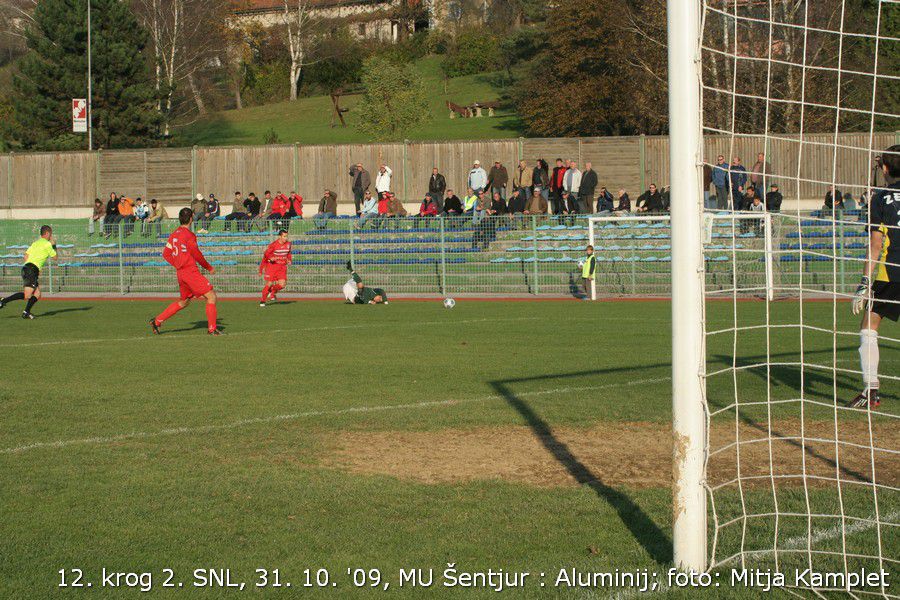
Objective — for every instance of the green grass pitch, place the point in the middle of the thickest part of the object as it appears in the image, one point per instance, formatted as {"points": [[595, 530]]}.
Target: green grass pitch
{"points": [[508, 435]]}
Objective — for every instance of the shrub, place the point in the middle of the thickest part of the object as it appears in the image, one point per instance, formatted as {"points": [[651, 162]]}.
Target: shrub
{"points": [[473, 52]]}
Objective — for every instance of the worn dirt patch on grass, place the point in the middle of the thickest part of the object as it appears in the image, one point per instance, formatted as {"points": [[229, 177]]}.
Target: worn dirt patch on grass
{"points": [[616, 454]]}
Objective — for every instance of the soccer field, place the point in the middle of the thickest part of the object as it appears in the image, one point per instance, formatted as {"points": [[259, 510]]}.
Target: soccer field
{"points": [[522, 436]]}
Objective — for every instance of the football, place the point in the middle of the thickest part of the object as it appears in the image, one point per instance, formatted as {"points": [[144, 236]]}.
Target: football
{"points": [[449, 302]]}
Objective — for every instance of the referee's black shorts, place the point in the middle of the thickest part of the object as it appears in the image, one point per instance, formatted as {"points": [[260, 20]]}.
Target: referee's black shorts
{"points": [[886, 301], [30, 275]]}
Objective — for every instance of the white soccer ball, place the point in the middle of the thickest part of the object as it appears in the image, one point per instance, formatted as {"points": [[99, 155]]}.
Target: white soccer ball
{"points": [[449, 302]]}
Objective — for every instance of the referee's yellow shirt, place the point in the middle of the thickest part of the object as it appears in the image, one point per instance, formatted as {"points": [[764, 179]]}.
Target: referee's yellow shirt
{"points": [[39, 252]]}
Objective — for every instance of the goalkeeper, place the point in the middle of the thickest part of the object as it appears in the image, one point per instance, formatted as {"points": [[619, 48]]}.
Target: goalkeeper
{"points": [[357, 293], [879, 299]]}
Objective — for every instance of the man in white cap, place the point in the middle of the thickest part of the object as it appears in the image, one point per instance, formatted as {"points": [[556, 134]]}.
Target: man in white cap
{"points": [[477, 177]]}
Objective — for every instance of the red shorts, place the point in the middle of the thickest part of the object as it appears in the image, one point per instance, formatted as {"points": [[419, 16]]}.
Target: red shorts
{"points": [[275, 272], [192, 284]]}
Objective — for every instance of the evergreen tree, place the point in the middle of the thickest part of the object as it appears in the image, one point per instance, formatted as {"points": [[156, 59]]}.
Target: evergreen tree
{"points": [[394, 102], [55, 71]]}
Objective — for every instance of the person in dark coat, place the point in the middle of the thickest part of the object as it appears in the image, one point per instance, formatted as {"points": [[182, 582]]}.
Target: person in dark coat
{"points": [[834, 200], [624, 202], [361, 182], [650, 201], [556, 186], [437, 185], [604, 201], [774, 199], [586, 190]]}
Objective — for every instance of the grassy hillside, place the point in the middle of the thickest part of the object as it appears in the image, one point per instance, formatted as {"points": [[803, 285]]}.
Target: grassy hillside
{"points": [[307, 120]]}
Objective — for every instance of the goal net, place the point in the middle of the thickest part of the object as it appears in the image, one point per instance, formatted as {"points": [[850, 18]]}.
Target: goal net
{"points": [[798, 102]]}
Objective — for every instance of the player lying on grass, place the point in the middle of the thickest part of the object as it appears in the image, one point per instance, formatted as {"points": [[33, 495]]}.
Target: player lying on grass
{"points": [[182, 252], [274, 266], [35, 258], [880, 299], [362, 294]]}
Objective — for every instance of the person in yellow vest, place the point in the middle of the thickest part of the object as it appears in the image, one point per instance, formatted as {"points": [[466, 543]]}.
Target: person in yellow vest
{"points": [[588, 270], [35, 258]]}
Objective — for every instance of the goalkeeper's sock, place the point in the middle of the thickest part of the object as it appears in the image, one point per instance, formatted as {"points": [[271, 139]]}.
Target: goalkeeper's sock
{"points": [[265, 293], [868, 357], [211, 316], [16, 296], [168, 313], [31, 302], [275, 289]]}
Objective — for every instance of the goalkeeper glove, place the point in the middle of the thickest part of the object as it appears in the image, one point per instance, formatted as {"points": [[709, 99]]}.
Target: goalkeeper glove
{"points": [[349, 266], [860, 297]]}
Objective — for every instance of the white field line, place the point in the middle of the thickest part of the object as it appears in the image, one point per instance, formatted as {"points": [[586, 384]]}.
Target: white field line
{"points": [[793, 543], [150, 336], [294, 416]]}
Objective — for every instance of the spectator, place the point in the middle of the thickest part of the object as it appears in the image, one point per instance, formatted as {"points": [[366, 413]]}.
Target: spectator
{"points": [[469, 203], [383, 179], [540, 179], [437, 185], [369, 210], [666, 199], [395, 208], [238, 212], [478, 178], [498, 205], [650, 201], [604, 201], [281, 205], [126, 214], [428, 209], [452, 204], [738, 176], [481, 207], [747, 198], [327, 209], [383, 201], [570, 206], [760, 172], [849, 202], [266, 206], [537, 205], [572, 184], [588, 271], [497, 180], [586, 189], [112, 214], [834, 200], [624, 202], [556, 186], [198, 207], [361, 180], [295, 202], [707, 181], [774, 199], [155, 218], [211, 211], [97, 216], [756, 206], [517, 200], [141, 210], [254, 211], [720, 182], [520, 179]]}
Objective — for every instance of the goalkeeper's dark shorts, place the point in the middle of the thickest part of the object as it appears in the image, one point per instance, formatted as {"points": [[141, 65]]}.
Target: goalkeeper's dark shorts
{"points": [[886, 301]]}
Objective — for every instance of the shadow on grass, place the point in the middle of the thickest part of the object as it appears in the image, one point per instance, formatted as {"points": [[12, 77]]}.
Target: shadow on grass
{"points": [[645, 531], [60, 311], [193, 327]]}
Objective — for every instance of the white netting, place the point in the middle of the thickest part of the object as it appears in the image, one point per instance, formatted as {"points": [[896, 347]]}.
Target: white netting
{"points": [[808, 92]]}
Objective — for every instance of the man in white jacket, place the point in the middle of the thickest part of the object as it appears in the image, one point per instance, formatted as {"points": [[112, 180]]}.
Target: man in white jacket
{"points": [[477, 177], [383, 179], [572, 179]]}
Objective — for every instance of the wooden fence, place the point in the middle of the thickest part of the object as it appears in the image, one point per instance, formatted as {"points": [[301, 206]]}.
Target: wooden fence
{"points": [[73, 179]]}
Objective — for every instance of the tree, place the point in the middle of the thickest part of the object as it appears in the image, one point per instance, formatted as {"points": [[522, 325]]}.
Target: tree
{"points": [[301, 22], [55, 71], [395, 100]]}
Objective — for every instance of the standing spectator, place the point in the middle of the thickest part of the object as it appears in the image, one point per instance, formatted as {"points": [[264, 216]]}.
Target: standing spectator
{"points": [[738, 176], [572, 184], [759, 172], [720, 182], [586, 189], [126, 214], [369, 210], [624, 202], [707, 181], [556, 186], [478, 178], [520, 179], [540, 179], [497, 180], [537, 205], [774, 199], [295, 202], [112, 214], [97, 216], [437, 185], [650, 201], [604, 201], [361, 182], [211, 211], [383, 179], [156, 216], [198, 207], [327, 209], [834, 200], [238, 212], [452, 204]]}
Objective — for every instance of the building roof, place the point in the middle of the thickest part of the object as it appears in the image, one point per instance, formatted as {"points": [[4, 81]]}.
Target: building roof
{"points": [[261, 6]]}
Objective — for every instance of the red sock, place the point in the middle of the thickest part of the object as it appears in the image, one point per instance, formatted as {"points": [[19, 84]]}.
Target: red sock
{"points": [[275, 289], [265, 294], [167, 314], [211, 316]]}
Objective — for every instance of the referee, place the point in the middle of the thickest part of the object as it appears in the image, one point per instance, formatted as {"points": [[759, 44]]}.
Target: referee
{"points": [[35, 258]]}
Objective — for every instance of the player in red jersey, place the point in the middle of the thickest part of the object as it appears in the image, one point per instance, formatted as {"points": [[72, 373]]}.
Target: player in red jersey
{"points": [[274, 265], [183, 253]]}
